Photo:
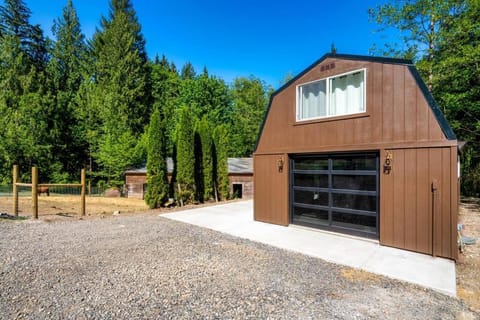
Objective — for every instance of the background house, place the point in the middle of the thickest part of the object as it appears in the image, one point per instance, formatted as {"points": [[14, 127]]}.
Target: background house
{"points": [[357, 144], [240, 177]]}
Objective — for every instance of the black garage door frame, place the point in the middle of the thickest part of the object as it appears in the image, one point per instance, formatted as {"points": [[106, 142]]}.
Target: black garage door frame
{"points": [[323, 196]]}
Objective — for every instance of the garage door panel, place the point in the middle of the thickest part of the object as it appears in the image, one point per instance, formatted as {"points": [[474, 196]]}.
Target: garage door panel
{"points": [[355, 182], [354, 162], [310, 197], [311, 180], [360, 222], [354, 201], [310, 216], [338, 191], [311, 164]]}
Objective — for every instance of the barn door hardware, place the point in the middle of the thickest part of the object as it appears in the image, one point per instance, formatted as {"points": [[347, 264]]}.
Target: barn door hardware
{"points": [[434, 189], [387, 165], [280, 164]]}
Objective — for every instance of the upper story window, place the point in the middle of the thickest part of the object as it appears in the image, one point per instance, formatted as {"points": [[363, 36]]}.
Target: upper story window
{"points": [[334, 96]]}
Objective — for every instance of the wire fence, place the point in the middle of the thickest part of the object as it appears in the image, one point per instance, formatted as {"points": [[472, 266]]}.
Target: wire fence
{"points": [[7, 191]]}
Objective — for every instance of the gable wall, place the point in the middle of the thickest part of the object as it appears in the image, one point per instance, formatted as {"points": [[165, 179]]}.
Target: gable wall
{"points": [[397, 112]]}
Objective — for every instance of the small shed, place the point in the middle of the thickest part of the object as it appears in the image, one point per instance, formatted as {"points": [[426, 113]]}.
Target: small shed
{"points": [[240, 177], [357, 145]]}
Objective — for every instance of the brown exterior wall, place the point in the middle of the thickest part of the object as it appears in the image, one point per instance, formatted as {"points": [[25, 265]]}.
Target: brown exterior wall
{"points": [[419, 201], [134, 183], [246, 180], [398, 118], [270, 200]]}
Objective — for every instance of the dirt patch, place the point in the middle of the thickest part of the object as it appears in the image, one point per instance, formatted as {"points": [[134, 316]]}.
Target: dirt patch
{"points": [[356, 275], [53, 208], [67, 207], [468, 264]]}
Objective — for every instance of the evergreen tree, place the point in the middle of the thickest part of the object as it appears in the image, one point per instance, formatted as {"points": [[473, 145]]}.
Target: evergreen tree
{"points": [[185, 165], [121, 76], [220, 140], [68, 55], [157, 182], [14, 21], [165, 92], [204, 131], [24, 98], [188, 72]]}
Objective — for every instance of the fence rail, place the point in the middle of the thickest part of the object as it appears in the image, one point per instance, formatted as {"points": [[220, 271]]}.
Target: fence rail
{"points": [[35, 187], [25, 190]]}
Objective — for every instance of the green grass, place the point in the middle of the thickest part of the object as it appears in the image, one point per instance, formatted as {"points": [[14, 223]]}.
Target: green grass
{"points": [[12, 218]]}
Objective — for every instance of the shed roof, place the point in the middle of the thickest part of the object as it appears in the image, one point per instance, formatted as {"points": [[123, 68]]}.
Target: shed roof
{"points": [[447, 130], [240, 165], [235, 165]]}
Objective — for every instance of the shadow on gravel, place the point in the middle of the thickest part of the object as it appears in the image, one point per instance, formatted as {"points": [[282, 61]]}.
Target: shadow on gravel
{"points": [[6, 216]]}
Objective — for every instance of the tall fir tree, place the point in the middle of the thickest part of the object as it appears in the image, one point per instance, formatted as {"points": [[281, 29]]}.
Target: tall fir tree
{"points": [[65, 68], [122, 76], [157, 182], [188, 72], [185, 157], [24, 98], [14, 21]]}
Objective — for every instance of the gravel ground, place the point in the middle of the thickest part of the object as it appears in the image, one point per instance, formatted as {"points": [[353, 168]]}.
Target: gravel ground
{"points": [[147, 267]]}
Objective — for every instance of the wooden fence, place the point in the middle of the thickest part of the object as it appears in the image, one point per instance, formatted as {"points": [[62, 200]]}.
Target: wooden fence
{"points": [[35, 186]]}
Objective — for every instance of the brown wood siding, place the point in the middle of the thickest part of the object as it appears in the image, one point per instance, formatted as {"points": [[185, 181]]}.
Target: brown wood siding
{"points": [[396, 112], [271, 189], [455, 200], [246, 180], [398, 118], [413, 215]]}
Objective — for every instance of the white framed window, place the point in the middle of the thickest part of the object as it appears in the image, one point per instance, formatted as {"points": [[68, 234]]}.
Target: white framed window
{"points": [[338, 95]]}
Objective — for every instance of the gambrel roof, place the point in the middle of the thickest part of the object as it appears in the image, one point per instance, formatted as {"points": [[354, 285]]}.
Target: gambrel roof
{"points": [[445, 127]]}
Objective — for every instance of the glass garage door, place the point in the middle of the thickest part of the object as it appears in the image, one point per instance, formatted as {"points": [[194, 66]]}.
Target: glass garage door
{"points": [[338, 192]]}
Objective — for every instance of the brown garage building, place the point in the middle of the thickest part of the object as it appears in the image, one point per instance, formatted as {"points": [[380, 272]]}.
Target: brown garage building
{"points": [[357, 144]]}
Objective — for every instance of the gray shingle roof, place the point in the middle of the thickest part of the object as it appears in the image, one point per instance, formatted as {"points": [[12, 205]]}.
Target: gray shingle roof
{"points": [[240, 165], [235, 165]]}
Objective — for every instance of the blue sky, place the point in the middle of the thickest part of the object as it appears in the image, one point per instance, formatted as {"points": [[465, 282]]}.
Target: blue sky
{"points": [[267, 39]]}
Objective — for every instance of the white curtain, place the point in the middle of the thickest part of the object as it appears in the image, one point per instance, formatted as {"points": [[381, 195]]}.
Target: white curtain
{"points": [[313, 100], [347, 94]]}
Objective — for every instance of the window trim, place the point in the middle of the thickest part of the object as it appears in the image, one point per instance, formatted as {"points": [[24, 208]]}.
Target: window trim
{"points": [[327, 97]]}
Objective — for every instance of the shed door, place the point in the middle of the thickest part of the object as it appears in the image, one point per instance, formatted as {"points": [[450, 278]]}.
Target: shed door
{"points": [[336, 191]]}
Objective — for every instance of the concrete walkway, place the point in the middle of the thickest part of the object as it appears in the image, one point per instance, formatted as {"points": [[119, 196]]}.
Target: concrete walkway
{"points": [[236, 219]]}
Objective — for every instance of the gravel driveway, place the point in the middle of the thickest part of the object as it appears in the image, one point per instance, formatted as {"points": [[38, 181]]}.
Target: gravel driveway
{"points": [[145, 266]]}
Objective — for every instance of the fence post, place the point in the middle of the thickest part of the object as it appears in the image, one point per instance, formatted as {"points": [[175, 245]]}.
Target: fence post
{"points": [[15, 190], [82, 181], [34, 192]]}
